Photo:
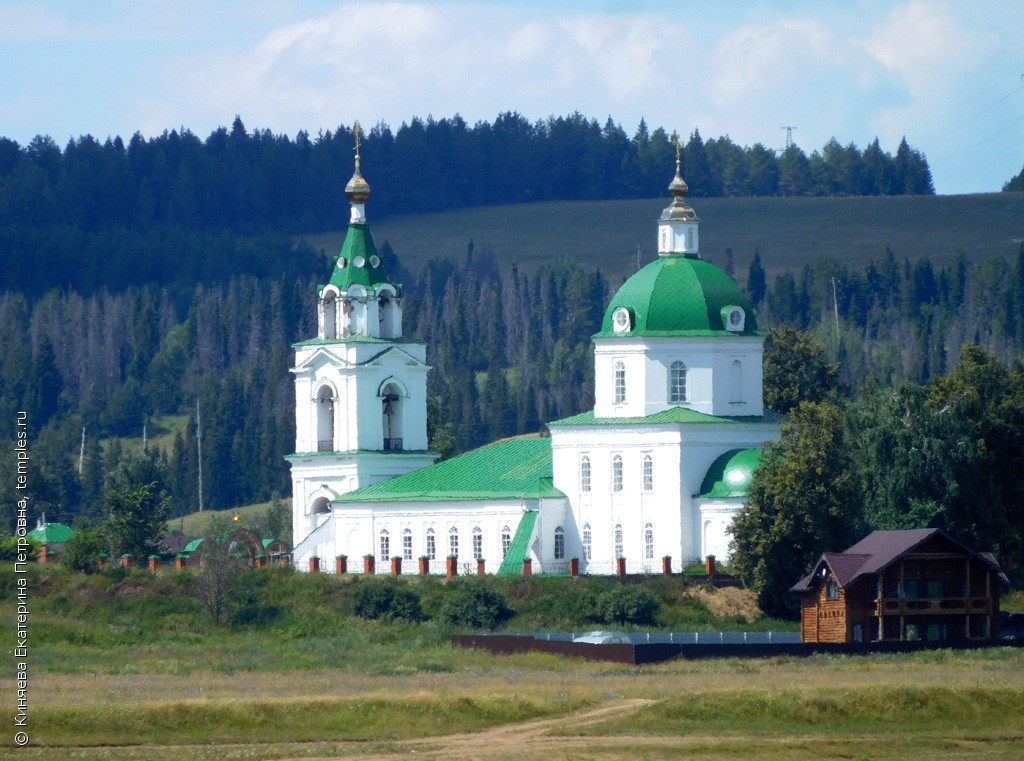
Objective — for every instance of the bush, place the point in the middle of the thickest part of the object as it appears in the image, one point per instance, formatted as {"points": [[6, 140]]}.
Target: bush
{"points": [[473, 606], [82, 551], [627, 605], [382, 598]]}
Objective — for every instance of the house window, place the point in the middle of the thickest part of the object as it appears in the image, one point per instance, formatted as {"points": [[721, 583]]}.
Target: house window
{"points": [[407, 544], [649, 542], [559, 543], [936, 588], [911, 633], [478, 543], [385, 545], [586, 540], [620, 382], [911, 589], [618, 540], [832, 590], [858, 632], [677, 383], [431, 552], [617, 473], [453, 542], [648, 473], [506, 541], [584, 473]]}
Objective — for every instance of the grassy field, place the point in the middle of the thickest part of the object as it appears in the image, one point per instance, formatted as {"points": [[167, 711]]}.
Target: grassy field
{"points": [[124, 666], [789, 232]]}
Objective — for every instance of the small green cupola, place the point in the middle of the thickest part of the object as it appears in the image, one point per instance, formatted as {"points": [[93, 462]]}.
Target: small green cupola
{"points": [[358, 299]]}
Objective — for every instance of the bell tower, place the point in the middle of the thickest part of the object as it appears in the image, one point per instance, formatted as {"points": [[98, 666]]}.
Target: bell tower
{"points": [[360, 385]]}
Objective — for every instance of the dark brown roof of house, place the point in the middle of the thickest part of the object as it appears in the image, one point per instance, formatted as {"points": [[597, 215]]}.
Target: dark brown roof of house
{"points": [[878, 550]]}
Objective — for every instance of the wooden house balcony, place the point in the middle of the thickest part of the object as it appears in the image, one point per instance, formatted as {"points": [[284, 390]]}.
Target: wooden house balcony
{"points": [[932, 606]]}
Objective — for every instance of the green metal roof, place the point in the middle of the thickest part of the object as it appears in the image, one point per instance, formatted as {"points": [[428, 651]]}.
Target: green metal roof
{"points": [[677, 295], [731, 474], [512, 469], [355, 339], [671, 415], [54, 533], [512, 565], [353, 264], [192, 546], [388, 452]]}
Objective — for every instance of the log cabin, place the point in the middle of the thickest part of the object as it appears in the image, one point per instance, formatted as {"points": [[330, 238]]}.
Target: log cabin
{"points": [[896, 586]]}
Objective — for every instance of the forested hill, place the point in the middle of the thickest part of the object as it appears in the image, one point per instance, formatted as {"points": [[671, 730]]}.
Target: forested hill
{"points": [[170, 209]]}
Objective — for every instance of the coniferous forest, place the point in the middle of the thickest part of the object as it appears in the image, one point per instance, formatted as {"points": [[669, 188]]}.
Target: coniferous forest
{"points": [[158, 279]]}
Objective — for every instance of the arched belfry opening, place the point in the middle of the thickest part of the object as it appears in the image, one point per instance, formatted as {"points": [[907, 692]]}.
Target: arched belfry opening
{"points": [[329, 316], [389, 312], [325, 401], [391, 411]]}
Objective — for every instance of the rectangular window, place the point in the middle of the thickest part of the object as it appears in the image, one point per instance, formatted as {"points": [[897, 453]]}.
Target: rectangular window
{"points": [[649, 543], [478, 545], [559, 544], [648, 473], [407, 545], [620, 383], [506, 542], [586, 541], [936, 588], [911, 589], [585, 473], [385, 546], [431, 546], [617, 473], [453, 543], [832, 590], [618, 541]]}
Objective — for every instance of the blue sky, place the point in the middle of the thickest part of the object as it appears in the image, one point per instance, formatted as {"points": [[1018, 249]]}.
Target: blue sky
{"points": [[948, 75]]}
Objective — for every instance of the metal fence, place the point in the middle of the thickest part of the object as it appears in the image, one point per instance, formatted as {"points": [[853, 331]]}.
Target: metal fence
{"points": [[683, 638]]}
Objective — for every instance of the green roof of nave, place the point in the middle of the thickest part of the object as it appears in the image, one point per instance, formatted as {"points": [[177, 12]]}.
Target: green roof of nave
{"points": [[354, 265], [517, 468], [671, 415], [678, 295]]}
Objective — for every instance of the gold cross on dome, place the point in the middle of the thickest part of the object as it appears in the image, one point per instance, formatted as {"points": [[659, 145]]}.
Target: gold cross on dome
{"points": [[677, 144], [357, 131]]}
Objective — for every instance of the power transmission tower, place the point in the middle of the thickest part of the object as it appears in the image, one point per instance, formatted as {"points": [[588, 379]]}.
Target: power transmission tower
{"points": [[789, 135]]}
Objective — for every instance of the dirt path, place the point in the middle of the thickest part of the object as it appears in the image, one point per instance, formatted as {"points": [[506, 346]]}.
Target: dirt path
{"points": [[522, 740]]}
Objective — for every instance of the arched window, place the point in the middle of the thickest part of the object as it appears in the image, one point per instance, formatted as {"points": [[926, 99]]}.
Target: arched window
{"points": [[478, 543], [559, 543], [620, 382], [736, 382], [391, 399], [453, 542], [585, 473], [648, 473], [407, 544], [617, 473], [649, 542], [385, 544], [431, 549], [506, 541], [325, 419], [329, 329], [677, 383], [618, 540], [587, 538]]}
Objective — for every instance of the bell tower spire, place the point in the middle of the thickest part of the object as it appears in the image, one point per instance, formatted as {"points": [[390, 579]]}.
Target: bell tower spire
{"points": [[358, 189]]}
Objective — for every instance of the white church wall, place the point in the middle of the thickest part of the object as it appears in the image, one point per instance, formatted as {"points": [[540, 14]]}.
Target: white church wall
{"points": [[716, 517], [631, 354]]}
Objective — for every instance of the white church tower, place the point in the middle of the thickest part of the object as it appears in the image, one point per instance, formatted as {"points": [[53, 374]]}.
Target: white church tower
{"points": [[360, 386]]}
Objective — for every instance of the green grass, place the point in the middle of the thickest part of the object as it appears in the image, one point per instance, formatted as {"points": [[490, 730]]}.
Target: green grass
{"points": [[787, 231], [196, 524]]}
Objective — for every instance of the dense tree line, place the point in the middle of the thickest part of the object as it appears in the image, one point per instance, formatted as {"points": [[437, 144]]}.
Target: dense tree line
{"points": [[510, 352], [1015, 183], [174, 208]]}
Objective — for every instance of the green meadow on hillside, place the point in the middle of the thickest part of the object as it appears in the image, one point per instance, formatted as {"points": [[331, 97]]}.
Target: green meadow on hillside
{"points": [[124, 665], [788, 231]]}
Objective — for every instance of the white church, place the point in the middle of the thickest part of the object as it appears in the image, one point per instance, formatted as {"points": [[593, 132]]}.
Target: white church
{"points": [[659, 467]]}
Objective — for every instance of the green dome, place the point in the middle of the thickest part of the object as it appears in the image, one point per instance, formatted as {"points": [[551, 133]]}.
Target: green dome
{"points": [[678, 295], [358, 263], [731, 474]]}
